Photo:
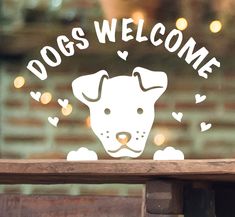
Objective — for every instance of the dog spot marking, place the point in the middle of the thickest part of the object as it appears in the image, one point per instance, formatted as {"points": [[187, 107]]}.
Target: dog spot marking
{"points": [[140, 111], [107, 111]]}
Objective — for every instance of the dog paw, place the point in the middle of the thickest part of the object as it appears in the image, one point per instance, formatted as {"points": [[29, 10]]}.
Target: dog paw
{"points": [[169, 153], [82, 154]]}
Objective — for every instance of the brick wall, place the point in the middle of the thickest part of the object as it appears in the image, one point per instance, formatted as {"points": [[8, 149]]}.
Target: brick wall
{"points": [[26, 132]]}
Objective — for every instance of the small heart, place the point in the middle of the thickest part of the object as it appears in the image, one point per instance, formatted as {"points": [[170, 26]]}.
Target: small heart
{"points": [[177, 116], [53, 121], [199, 98], [63, 103], [205, 127], [122, 54], [35, 95]]}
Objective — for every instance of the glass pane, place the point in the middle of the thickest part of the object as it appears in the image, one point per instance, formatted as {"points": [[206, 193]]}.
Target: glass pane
{"points": [[28, 26]]}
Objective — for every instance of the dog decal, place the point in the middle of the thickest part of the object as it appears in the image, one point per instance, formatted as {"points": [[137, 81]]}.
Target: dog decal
{"points": [[121, 108]]}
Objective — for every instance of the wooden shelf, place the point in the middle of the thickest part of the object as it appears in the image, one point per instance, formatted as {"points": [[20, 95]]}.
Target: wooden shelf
{"points": [[113, 171]]}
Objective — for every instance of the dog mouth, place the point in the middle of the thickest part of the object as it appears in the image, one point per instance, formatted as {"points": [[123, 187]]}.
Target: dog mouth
{"points": [[124, 147]]}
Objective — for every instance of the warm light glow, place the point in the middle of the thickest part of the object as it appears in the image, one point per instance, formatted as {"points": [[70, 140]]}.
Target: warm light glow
{"points": [[136, 16], [159, 139], [181, 23], [67, 110], [88, 122], [46, 98], [19, 82], [215, 26]]}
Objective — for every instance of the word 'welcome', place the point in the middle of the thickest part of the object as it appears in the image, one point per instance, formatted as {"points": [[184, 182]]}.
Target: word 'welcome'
{"points": [[106, 32]]}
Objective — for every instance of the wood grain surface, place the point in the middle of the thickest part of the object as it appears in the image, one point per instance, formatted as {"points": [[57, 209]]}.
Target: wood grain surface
{"points": [[68, 206], [113, 171]]}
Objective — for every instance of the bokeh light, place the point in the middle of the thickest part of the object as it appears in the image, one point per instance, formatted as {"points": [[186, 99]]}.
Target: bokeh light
{"points": [[181, 24], [46, 98], [215, 26], [67, 110], [159, 139], [136, 16], [88, 122], [19, 82]]}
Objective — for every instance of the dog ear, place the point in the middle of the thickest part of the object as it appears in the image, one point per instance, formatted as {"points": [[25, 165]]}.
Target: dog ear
{"points": [[154, 83], [88, 88]]}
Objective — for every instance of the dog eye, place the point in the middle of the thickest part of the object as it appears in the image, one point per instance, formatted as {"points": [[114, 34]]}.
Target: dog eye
{"points": [[107, 111], [140, 111]]}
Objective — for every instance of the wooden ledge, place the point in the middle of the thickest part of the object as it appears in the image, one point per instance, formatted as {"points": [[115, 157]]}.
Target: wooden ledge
{"points": [[113, 171]]}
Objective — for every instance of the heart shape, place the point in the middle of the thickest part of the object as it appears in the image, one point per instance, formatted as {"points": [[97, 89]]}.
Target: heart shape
{"points": [[122, 54], [205, 127], [35, 95], [53, 121], [177, 116], [199, 98], [63, 103]]}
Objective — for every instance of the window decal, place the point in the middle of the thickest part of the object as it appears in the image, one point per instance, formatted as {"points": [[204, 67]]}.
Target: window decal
{"points": [[122, 108]]}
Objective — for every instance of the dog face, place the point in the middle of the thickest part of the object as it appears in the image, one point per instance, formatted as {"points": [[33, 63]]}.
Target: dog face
{"points": [[121, 108]]}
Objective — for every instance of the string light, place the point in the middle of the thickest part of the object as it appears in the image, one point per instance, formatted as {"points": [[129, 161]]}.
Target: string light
{"points": [[67, 110], [136, 16], [19, 82], [215, 26], [46, 98], [159, 139], [181, 24]]}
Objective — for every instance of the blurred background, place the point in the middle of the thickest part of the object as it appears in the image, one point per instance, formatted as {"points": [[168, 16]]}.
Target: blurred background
{"points": [[28, 25]]}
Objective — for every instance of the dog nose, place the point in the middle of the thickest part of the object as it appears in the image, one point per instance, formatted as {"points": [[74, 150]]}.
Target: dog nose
{"points": [[123, 137]]}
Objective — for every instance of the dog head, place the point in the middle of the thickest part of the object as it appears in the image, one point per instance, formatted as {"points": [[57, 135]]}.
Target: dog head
{"points": [[121, 108]]}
